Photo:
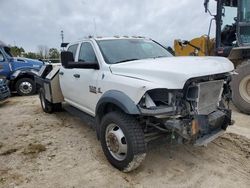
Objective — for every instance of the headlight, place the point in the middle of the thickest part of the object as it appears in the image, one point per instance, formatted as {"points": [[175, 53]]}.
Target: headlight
{"points": [[160, 102], [156, 98]]}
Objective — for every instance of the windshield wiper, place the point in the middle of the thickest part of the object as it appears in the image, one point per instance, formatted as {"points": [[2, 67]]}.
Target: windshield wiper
{"points": [[126, 60]]}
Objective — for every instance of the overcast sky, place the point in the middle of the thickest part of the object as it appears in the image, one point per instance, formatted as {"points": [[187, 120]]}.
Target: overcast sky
{"points": [[29, 23]]}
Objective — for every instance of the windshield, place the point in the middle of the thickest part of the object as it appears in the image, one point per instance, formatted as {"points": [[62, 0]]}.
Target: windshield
{"points": [[122, 50]]}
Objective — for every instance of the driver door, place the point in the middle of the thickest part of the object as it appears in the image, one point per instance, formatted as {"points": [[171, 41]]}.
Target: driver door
{"points": [[78, 83]]}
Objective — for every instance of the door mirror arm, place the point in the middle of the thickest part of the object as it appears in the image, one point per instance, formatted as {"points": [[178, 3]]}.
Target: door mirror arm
{"points": [[83, 65]]}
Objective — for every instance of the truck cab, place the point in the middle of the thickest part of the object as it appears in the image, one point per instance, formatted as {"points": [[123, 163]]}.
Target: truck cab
{"points": [[18, 71]]}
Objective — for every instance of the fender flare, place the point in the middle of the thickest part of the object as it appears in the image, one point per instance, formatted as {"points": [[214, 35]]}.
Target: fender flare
{"points": [[20, 72], [118, 98]]}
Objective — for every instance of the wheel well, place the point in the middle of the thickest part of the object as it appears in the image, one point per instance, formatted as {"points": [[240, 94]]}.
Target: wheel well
{"points": [[102, 111], [106, 108]]}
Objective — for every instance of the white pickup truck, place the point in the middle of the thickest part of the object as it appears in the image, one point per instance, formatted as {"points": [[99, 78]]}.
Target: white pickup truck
{"points": [[135, 90]]}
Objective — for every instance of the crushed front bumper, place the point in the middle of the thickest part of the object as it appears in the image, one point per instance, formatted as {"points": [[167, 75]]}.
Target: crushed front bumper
{"points": [[201, 129], [208, 138], [211, 126]]}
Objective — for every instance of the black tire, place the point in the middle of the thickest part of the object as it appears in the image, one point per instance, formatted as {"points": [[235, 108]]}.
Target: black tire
{"points": [[47, 106], [25, 86], [238, 98], [133, 138]]}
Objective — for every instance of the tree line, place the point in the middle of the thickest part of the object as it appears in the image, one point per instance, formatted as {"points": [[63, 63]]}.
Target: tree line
{"points": [[43, 52]]}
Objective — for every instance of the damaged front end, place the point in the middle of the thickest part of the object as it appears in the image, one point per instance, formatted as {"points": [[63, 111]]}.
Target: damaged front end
{"points": [[196, 114]]}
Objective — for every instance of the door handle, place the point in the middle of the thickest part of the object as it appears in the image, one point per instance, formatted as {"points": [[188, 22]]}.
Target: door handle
{"points": [[77, 75], [61, 73]]}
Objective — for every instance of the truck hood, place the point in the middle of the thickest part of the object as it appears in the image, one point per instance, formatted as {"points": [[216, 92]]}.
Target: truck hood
{"points": [[31, 63], [172, 72]]}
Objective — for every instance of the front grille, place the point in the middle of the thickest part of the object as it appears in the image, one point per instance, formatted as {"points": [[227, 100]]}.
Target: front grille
{"points": [[206, 96], [209, 96]]}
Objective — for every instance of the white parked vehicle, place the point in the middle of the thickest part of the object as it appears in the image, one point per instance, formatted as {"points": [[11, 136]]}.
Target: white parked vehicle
{"points": [[136, 90]]}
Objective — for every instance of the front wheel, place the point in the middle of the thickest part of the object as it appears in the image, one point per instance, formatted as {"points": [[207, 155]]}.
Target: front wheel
{"points": [[122, 141], [241, 88], [25, 86]]}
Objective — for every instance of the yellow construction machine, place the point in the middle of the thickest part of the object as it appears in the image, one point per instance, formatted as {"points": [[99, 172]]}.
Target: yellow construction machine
{"points": [[202, 46], [232, 40]]}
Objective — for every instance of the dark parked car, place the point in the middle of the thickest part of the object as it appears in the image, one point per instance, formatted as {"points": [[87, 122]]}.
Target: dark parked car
{"points": [[4, 90]]}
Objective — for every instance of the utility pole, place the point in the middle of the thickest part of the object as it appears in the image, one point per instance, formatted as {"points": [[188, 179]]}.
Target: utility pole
{"points": [[62, 36]]}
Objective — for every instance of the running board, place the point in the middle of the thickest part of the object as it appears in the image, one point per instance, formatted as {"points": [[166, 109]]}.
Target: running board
{"points": [[83, 116], [208, 138]]}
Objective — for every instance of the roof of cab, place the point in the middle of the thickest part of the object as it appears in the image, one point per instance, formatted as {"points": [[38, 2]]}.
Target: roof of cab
{"points": [[98, 38], [118, 37]]}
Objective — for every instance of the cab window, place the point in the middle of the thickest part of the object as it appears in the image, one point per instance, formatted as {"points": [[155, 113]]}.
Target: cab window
{"points": [[87, 53], [73, 49]]}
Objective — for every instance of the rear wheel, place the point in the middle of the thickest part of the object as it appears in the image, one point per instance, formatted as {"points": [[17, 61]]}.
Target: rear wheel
{"points": [[25, 86], [122, 141], [47, 106], [241, 88]]}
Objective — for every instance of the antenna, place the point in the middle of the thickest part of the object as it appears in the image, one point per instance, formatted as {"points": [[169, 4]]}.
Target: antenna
{"points": [[95, 28]]}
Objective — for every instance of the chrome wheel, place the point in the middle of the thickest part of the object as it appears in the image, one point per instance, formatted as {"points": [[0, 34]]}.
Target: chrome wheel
{"points": [[25, 87], [244, 88], [116, 142]]}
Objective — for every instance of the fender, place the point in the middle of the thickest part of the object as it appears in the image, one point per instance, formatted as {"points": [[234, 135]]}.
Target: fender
{"points": [[120, 99], [20, 72]]}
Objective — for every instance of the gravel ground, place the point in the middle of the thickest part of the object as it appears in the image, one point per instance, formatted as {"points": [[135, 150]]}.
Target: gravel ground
{"points": [[59, 150]]}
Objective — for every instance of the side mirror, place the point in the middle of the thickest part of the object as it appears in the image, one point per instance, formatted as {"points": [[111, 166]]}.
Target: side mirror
{"points": [[67, 60], [66, 57]]}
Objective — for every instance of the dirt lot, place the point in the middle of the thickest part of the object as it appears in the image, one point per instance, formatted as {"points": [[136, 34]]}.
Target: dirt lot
{"points": [[58, 150]]}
